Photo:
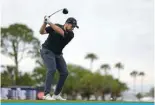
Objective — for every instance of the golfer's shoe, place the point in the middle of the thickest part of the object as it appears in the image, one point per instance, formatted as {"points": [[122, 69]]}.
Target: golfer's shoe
{"points": [[48, 97], [58, 97]]}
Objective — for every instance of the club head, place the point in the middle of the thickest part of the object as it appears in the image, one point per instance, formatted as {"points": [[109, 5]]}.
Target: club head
{"points": [[65, 11]]}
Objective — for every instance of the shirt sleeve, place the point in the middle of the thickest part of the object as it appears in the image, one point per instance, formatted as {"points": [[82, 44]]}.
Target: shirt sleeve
{"points": [[71, 36], [49, 29]]}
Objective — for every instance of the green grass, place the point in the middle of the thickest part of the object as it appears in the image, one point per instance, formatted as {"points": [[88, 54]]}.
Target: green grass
{"points": [[68, 101]]}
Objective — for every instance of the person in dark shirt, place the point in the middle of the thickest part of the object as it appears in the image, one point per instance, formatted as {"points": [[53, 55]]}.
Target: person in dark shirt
{"points": [[51, 53]]}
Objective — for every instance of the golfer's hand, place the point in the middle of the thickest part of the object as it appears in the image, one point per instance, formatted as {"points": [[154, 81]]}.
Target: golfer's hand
{"points": [[47, 20]]}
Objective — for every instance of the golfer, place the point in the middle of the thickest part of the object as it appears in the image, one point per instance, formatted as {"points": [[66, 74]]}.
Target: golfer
{"points": [[51, 53]]}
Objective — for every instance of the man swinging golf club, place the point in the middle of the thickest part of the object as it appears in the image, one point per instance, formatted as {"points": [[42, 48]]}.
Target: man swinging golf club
{"points": [[51, 53]]}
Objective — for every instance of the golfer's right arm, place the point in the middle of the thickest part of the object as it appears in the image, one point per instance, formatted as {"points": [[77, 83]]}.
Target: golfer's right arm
{"points": [[42, 29]]}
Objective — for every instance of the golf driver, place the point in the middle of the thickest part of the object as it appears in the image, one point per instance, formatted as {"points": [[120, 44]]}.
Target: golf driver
{"points": [[64, 11]]}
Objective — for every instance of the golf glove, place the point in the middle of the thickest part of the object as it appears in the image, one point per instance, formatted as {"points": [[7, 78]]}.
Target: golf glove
{"points": [[47, 20]]}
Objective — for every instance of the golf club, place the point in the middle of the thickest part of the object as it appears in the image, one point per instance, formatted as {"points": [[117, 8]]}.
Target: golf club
{"points": [[64, 11]]}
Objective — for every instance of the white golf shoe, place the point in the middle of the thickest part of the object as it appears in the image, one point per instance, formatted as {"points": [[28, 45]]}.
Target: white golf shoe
{"points": [[48, 97], [58, 97]]}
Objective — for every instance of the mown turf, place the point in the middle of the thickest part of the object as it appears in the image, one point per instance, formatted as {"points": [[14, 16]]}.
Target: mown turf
{"points": [[68, 101]]}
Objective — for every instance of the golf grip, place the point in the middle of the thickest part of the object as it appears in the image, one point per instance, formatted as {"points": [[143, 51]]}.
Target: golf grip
{"points": [[53, 14]]}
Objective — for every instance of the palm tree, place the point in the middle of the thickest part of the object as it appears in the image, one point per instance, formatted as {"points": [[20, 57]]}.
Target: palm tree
{"points": [[142, 74], [151, 92], [92, 57], [106, 67], [119, 66], [134, 75]]}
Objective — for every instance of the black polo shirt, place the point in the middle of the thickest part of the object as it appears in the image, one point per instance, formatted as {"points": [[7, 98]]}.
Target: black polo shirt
{"points": [[56, 42]]}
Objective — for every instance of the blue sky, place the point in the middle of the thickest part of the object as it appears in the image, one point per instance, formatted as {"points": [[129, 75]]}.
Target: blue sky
{"points": [[115, 30]]}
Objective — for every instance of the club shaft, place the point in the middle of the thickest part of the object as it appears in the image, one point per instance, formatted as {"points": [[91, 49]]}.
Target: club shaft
{"points": [[55, 13]]}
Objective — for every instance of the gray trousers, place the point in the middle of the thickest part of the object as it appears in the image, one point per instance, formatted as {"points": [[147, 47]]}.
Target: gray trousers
{"points": [[54, 62]]}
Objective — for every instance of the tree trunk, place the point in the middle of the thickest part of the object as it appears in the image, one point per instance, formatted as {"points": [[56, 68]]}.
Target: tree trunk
{"points": [[88, 96], [91, 64], [105, 71], [103, 97], [141, 84], [16, 71], [96, 95], [118, 74], [15, 47], [134, 85]]}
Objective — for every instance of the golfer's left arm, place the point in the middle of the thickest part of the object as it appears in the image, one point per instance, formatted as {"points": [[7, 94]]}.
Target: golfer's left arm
{"points": [[53, 27]]}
